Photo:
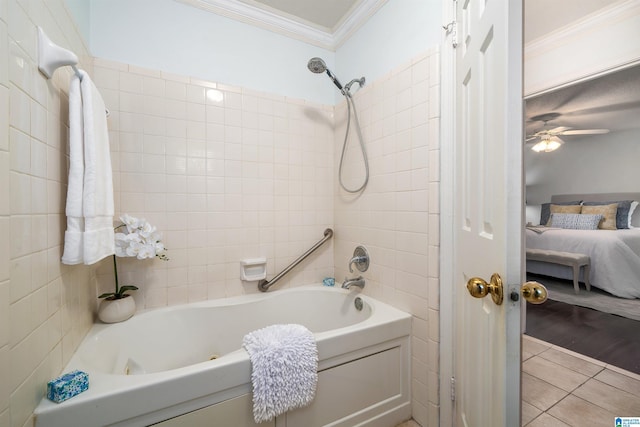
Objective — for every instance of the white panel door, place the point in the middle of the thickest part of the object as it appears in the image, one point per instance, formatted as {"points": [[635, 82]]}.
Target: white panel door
{"points": [[487, 220]]}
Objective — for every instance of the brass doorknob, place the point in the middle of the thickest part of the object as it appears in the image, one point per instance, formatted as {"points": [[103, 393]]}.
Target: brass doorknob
{"points": [[479, 288], [534, 292]]}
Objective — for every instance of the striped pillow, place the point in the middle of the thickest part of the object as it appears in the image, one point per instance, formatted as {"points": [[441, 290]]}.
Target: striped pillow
{"points": [[575, 221]]}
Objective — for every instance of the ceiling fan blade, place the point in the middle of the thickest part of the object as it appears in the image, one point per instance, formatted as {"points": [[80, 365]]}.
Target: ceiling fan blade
{"points": [[584, 132], [557, 130], [530, 137]]}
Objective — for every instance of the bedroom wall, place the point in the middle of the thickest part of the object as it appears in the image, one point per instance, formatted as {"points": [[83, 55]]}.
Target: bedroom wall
{"points": [[594, 164]]}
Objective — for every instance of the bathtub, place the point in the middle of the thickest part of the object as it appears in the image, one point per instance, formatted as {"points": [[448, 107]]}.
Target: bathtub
{"points": [[177, 365]]}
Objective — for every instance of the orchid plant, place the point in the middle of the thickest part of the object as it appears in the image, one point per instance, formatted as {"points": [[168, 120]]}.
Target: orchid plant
{"points": [[139, 239]]}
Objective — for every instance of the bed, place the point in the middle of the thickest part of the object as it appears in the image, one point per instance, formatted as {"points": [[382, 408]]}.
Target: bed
{"points": [[615, 254]]}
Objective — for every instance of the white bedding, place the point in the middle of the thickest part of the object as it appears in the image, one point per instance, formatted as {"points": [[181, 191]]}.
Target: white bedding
{"points": [[615, 257]]}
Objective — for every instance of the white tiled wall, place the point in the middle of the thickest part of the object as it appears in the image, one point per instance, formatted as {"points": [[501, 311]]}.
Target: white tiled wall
{"points": [[45, 308], [397, 217], [224, 173]]}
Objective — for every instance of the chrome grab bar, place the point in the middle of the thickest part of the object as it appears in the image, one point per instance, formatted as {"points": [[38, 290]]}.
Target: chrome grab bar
{"points": [[264, 284]]}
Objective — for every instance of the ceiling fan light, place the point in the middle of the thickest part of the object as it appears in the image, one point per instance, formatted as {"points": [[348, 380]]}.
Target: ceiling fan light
{"points": [[547, 145], [540, 146], [553, 145]]}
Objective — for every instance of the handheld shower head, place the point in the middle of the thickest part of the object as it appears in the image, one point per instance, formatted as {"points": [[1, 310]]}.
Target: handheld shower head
{"points": [[318, 66]]}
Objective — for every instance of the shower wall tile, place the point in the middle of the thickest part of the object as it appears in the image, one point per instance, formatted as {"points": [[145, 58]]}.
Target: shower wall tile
{"points": [[225, 173], [36, 292], [397, 216]]}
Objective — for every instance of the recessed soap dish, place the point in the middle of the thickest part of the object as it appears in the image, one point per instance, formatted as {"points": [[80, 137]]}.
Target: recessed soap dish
{"points": [[253, 269]]}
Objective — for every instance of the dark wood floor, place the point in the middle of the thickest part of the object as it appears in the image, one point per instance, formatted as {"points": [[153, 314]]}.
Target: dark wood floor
{"points": [[606, 337]]}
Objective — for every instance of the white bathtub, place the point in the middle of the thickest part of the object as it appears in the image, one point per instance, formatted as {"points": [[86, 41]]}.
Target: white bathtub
{"points": [[156, 365]]}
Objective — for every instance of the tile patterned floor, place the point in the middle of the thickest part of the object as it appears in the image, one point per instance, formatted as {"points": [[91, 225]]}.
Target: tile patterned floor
{"points": [[409, 423], [561, 388]]}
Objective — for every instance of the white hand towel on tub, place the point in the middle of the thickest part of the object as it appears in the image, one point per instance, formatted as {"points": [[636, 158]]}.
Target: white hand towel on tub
{"points": [[284, 369], [89, 236]]}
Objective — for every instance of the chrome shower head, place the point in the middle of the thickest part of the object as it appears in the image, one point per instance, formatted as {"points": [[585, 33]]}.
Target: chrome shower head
{"points": [[317, 65]]}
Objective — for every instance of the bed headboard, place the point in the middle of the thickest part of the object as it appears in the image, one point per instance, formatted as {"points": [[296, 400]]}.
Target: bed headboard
{"points": [[602, 197]]}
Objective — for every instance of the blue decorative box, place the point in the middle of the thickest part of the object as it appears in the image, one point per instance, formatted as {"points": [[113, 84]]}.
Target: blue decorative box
{"points": [[66, 386]]}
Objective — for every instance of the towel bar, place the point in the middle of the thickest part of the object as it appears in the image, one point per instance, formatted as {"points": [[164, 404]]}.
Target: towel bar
{"points": [[51, 56]]}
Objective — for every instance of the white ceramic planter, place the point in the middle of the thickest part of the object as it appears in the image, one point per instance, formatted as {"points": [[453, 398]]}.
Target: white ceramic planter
{"points": [[117, 310]]}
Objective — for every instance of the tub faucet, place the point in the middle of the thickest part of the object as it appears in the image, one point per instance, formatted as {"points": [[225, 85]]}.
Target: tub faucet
{"points": [[358, 281]]}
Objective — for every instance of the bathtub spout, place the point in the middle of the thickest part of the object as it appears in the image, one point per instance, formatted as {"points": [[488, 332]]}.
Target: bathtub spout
{"points": [[358, 281]]}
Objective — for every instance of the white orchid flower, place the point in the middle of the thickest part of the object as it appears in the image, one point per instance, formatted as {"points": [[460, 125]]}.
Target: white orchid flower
{"points": [[142, 240], [147, 229], [131, 222], [146, 251]]}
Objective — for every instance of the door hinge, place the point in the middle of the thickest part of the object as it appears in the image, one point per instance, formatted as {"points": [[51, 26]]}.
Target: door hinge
{"points": [[453, 389], [452, 29]]}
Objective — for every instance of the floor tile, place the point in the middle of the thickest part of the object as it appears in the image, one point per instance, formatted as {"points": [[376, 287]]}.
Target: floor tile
{"points": [[579, 413], [529, 413], [606, 391], [533, 345], [608, 397], [554, 373], [540, 393], [620, 381], [546, 420], [626, 372], [526, 355], [572, 361]]}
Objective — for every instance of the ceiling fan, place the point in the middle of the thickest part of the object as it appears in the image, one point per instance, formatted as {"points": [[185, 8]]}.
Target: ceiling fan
{"points": [[549, 138]]}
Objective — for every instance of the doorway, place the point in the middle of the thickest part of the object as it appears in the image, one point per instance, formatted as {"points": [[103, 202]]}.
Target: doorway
{"points": [[559, 385]]}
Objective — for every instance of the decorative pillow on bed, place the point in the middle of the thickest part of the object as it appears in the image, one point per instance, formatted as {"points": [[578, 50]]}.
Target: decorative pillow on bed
{"points": [[568, 209], [623, 216], [575, 221], [607, 211], [545, 210]]}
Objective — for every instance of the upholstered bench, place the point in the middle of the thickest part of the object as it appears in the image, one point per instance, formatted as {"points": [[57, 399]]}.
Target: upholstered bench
{"points": [[564, 258]]}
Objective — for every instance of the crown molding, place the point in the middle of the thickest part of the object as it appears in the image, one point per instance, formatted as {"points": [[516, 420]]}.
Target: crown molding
{"points": [[356, 19], [288, 27], [607, 16]]}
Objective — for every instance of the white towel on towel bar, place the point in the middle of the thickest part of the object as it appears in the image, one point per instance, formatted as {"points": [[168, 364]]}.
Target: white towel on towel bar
{"points": [[284, 369], [89, 235]]}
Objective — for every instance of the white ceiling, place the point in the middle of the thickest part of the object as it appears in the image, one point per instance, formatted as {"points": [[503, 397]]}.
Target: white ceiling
{"points": [[608, 102], [324, 14], [324, 23]]}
